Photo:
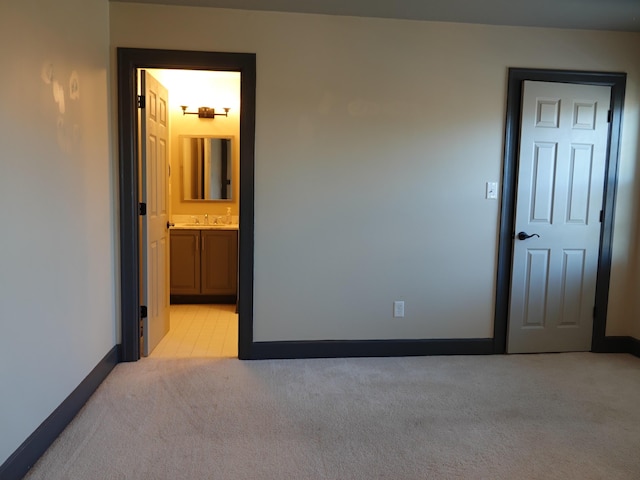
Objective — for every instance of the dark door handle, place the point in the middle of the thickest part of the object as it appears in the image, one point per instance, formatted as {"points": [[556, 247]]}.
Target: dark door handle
{"points": [[524, 236], [169, 224]]}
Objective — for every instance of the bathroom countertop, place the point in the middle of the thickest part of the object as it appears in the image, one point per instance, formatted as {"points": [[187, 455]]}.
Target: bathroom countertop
{"points": [[196, 226]]}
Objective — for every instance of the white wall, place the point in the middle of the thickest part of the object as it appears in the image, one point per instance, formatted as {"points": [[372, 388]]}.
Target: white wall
{"points": [[57, 302], [374, 140]]}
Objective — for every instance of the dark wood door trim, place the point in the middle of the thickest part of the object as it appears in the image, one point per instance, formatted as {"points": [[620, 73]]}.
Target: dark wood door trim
{"points": [[129, 60], [517, 76]]}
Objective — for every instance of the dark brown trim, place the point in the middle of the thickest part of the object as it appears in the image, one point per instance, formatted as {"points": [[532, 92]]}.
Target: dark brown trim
{"points": [[616, 344], [203, 299], [27, 454], [129, 60], [620, 344], [128, 182], [371, 348], [516, 76], [634, 347]]}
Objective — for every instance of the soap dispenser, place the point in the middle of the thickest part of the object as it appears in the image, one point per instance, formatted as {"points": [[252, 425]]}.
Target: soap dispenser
{"points": [[228, 215]]}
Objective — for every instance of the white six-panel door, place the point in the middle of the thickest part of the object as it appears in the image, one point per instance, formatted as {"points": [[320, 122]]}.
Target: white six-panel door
{"points": [[155, 235], [563, 141]]}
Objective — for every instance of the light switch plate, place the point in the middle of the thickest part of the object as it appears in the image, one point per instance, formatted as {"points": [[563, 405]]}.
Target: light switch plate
{"points": [[492, 190]]}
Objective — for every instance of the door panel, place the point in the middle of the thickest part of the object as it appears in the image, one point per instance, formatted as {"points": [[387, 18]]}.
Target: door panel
{"points": [[155, 255], [563, 140], [579, 184], [544, 167], [537, 279], [573, 271]]}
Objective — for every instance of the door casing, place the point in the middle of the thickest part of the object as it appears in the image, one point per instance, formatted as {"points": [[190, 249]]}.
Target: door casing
{"points": [[129, 60], [617, 82]]}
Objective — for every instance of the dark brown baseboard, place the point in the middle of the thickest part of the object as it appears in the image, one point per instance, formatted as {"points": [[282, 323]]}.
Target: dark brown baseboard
{"points": [[203, 299], [27, 454], [369, 348], [634, 346]]}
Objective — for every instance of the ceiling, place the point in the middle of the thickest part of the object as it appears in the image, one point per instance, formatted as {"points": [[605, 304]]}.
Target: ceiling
{"points": [[623, 15]]}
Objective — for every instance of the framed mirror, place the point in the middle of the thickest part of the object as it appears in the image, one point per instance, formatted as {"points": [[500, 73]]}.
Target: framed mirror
{"points": [[206, 167]]}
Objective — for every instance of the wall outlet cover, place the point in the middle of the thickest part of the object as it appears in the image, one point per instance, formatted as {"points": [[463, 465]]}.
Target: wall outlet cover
{"points": [[398, 309]]}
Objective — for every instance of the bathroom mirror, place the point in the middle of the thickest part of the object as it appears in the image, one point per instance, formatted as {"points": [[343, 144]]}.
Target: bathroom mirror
{"points": [[206, 167]]}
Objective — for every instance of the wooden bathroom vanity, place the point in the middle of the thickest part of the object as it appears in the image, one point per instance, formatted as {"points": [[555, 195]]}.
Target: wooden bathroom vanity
{"points": [[204, 264]]}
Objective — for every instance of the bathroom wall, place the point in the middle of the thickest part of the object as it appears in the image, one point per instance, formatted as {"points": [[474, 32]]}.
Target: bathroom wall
{"points": [[196, 89], [634, 282], [374, 140], [57, 208]]}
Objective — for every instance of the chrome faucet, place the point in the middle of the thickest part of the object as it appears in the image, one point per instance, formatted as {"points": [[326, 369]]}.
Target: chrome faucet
{"points": [[196, 220]]}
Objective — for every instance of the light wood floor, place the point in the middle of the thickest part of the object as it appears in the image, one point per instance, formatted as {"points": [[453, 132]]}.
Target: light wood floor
{"points": [[200, 331]]}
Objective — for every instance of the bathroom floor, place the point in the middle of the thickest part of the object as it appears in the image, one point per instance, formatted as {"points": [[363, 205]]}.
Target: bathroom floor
{"points": [[200, 331]]}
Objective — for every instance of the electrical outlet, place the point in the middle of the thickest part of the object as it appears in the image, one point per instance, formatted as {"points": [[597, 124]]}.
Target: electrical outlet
{"points": [[398, 309]]}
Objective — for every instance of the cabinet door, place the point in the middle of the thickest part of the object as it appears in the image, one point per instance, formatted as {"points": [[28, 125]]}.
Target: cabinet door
{"points": [[219, 262], [185, 262]]}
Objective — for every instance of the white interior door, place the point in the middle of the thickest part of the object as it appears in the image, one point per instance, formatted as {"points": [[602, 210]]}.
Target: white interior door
{"points": [[155, 234], [563, 141]]}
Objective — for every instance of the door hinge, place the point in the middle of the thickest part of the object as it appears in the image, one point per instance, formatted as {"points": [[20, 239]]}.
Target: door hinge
{"points": [[601, 216], [143, 311], [141, 101], [609, 116], [142, 208]]}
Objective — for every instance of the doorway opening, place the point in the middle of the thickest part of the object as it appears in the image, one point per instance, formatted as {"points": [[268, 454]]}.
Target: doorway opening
{"points": [[130, 61], [202, 199], [517, 77]]}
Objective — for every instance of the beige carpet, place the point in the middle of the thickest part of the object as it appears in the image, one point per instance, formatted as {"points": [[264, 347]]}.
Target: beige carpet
{"points": [[562, 416]]}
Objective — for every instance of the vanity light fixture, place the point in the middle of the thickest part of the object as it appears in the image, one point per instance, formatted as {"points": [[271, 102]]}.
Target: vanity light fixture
{"points": [[205, 112]]}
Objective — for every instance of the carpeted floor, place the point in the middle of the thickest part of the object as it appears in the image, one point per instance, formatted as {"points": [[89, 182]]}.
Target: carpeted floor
{"points": [[561, 416]]}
